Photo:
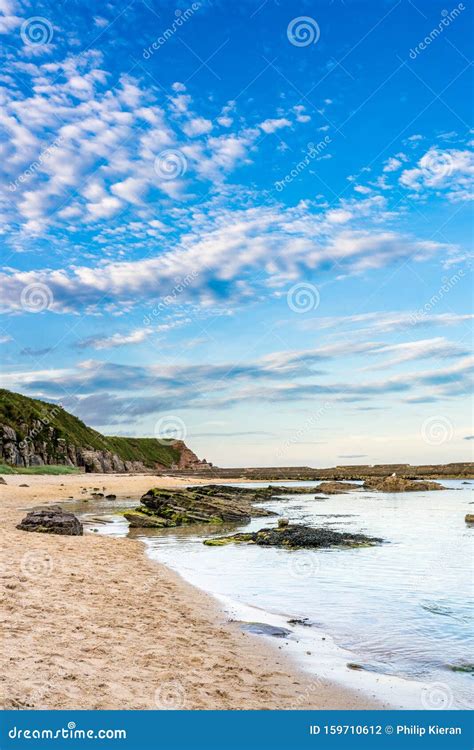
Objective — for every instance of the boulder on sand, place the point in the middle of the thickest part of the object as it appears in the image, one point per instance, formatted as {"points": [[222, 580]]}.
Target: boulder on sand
{"points": [[51, 519], [398, 484]]}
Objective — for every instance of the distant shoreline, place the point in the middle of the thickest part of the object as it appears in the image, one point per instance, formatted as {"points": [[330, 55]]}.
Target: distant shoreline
{"points": [[461, 470]]}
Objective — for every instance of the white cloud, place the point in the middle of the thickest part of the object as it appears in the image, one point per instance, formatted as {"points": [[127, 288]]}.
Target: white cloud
{"points": [[392, 165], [105, 208], [270, 126], [378, 322], [242, 251], [131, 189], [197, 126], [425, 348], [450, 170], [116, 340]]}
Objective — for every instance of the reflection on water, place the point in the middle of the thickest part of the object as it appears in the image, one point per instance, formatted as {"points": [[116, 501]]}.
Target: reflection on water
{"points": [[403, 608]]}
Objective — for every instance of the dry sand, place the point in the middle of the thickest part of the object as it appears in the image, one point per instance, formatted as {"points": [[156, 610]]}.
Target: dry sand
{"points": [[90, 623]]}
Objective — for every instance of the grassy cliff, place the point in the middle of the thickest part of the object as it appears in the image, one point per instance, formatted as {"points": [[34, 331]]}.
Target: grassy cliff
{"points": [[20, 413]]}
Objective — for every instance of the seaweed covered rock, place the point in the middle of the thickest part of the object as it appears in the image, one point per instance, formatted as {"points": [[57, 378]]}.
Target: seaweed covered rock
{"points": [[138, 519], [253, 494], [398, 484], [181, 507], [296, 536], [210, 503], [51, 519]]}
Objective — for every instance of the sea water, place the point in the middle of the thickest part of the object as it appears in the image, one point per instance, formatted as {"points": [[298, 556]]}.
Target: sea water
{"points": [[402, 609]]}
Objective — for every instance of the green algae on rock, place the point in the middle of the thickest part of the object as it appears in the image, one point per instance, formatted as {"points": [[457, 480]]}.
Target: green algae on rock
{"points": [[296, 536], [209, 504]]}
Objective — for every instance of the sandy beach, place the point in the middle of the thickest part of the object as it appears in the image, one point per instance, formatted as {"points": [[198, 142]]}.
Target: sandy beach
{"points": [[91, 623]]}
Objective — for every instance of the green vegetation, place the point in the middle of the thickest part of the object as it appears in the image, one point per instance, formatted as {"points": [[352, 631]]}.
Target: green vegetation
{"points": [[20, 412], [50, 469]]}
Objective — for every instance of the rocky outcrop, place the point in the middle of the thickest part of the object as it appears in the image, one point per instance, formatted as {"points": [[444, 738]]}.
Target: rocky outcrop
{"points": [[336, 488], [51, 519], [338, 473], [397, 484], [188, 459], [296, 537], [40, 444], [105, 462], [213, 504], [252, 494]]}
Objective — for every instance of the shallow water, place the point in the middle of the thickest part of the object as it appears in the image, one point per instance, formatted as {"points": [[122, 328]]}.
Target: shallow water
{"points": [[402, 608]]}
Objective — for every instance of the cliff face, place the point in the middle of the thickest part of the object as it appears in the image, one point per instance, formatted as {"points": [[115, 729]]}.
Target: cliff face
{"points": [[43, 446], [188, 459], [35, 433]]}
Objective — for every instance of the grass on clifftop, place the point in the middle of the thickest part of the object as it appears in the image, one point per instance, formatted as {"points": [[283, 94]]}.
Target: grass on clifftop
{"points": [[50, 469], [19, 412]]}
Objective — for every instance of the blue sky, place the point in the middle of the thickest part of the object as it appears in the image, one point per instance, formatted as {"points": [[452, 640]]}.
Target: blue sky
{"points": [[245, 225]]}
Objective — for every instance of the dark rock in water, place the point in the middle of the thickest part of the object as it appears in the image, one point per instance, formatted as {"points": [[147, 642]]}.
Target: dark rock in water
{"points": [[353, 665], [299, 621], [111, 497], [296, 537], [283, 522], [97, 495], [466, 668], [336, 488], [51, 519], [262, 628], [397, 484], [469, 518]]}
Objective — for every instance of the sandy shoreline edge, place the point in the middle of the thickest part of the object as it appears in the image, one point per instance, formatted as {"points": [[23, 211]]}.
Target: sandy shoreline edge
{"points": [[91, 623]]}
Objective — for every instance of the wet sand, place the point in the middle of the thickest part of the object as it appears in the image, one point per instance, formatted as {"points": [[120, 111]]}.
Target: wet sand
{"points": [[91, 623]]}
